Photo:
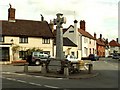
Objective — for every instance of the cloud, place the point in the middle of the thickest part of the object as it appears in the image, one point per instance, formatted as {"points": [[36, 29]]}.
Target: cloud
{"points": [[100, 15]]}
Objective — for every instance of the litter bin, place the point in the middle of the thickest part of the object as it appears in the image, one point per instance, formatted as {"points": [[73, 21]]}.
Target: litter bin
{"points": [[81, 64]]}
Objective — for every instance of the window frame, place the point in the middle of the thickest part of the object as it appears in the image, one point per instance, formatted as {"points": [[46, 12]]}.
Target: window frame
{"points": [[45, 40], [23, 39]]}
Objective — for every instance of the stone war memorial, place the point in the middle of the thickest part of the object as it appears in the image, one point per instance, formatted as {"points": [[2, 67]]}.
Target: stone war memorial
{"points": [[55, 64]]}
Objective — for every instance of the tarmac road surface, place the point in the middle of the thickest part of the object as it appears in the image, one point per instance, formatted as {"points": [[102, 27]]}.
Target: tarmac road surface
{"points": [[107, 78]]}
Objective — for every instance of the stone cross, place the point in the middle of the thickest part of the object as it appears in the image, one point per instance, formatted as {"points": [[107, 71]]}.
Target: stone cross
{"points": [[59, 36]]}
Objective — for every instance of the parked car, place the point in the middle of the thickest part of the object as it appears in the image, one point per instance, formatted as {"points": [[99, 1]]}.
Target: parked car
{"points": [[38, 58], [71, 58], [91, 57], [116, 56]]}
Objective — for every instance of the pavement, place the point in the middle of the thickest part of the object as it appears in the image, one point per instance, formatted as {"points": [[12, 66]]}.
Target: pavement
{"points": [[83, 74], [79, 75]]}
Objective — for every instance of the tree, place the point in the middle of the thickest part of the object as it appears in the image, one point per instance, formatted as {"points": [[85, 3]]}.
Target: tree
{"points": [[29, 51], [15, 49]]}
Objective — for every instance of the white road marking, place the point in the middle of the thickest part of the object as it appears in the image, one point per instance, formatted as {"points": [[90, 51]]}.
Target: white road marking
{"points": [[33, 76], [35, 84], [44, 77], [12, 73], [50, 86], [21, 81], [10, 79]]}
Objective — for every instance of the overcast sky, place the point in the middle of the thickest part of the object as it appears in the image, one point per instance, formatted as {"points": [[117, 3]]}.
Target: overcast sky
{"points": [[101, 16]]}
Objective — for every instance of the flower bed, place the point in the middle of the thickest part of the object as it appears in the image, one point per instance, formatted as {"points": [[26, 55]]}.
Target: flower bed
{"points": [[19, 61]]}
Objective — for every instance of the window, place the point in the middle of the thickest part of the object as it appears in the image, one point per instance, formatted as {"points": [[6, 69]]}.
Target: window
{"points": [[46, 41], [84, 40], [85, 51], [90, 50], [89, 41], [23, 39], [46, 52], [93, 51], [71, 31], [73, 53], [77, 54], [1, 39], [23, 54]]}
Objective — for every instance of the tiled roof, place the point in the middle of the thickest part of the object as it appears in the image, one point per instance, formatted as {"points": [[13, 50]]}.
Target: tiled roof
{"points": [[66, 42], [100, 42], [64, 30], [114, 43], [26, 28], [86, 34]]}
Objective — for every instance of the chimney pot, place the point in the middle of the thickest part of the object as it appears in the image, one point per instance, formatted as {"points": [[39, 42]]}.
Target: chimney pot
{"points": [[100, 36], [95, 35], [75, 21], [42, 18]]}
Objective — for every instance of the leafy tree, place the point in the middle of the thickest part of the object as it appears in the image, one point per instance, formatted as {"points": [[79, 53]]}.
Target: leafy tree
{"points": [[15, 49], [29, 51]]}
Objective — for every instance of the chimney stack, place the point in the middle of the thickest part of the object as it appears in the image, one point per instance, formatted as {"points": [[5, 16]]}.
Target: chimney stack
{"points": [[117, 39], [11, 14], [51, 24], [95, 35], [82, 24]]}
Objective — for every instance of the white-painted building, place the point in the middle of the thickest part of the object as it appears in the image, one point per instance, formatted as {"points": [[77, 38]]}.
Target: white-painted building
{"points": [[26, 34], [69, 48], [85, 42], [73, 34], [114, 47]]}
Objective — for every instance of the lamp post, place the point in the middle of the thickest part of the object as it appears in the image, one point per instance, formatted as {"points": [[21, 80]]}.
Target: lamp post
{"points": [[59, 35]]}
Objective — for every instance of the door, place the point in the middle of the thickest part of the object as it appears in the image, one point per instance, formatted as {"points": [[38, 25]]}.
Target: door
{"points": [[4, 51]]}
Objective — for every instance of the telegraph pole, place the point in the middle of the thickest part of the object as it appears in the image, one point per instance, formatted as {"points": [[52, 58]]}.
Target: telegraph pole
{"points": [[59, 35]]}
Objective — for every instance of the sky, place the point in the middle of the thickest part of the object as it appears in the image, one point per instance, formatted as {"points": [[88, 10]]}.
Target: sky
{"points": [[101, 16]]}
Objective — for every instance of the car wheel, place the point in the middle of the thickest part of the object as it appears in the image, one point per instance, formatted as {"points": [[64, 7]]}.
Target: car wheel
{"points": [[37, 62]]}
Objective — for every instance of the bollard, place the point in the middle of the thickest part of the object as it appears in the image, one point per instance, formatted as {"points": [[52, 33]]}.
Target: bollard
{"points": [[43, 69], [66, 71], [26, 67], [90, 68], [40, 68]]}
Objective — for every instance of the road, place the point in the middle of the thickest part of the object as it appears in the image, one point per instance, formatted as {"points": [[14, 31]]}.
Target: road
{"points": [[107, 78]]}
